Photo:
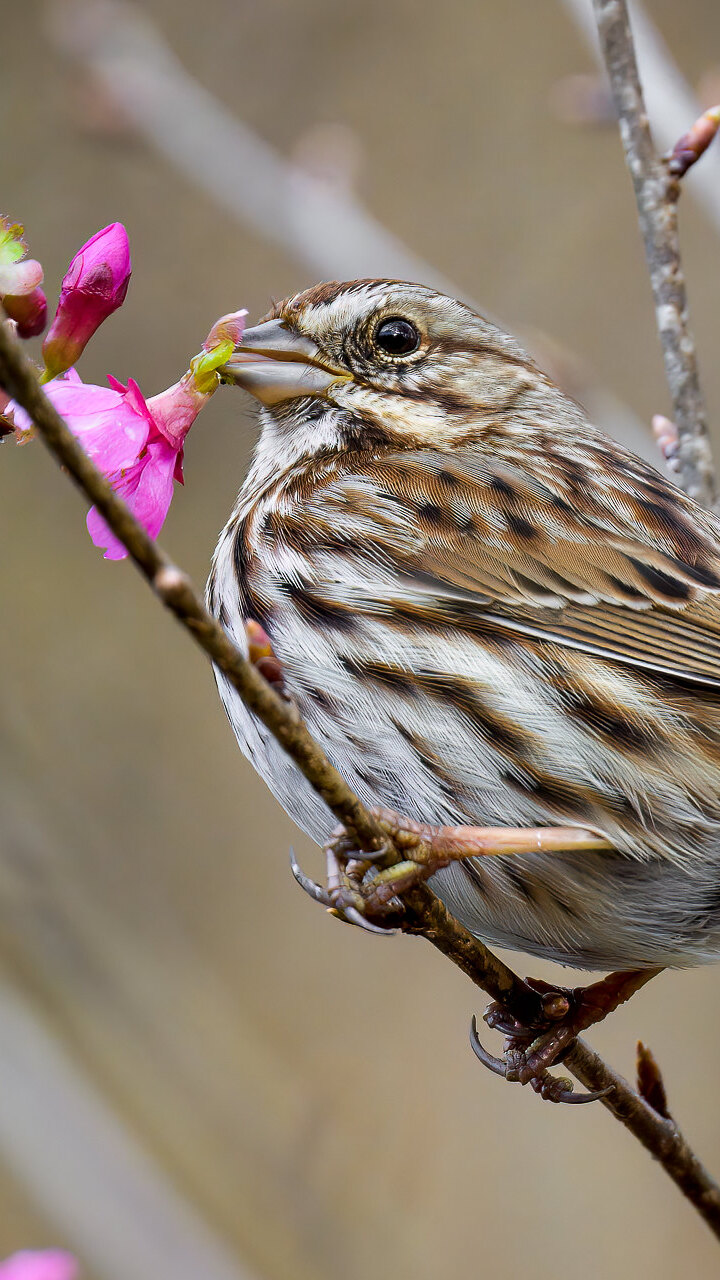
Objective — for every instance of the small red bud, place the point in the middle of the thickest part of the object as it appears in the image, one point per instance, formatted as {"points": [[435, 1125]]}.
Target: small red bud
{"points": [[689, 148], [28, 310]]}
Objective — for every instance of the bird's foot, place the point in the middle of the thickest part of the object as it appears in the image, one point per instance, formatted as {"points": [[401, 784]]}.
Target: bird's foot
{"points": [[361, 891], [532, 1047]]}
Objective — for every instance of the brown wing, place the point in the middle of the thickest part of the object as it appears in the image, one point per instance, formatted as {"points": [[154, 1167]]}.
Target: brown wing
{"points": [[609, 558]]}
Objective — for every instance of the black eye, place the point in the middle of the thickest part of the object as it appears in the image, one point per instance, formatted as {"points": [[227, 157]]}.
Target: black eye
{"points": [[397, 337]]}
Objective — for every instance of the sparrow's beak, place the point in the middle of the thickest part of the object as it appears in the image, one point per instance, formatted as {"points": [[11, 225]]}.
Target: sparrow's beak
{"points": [[275, 363]]}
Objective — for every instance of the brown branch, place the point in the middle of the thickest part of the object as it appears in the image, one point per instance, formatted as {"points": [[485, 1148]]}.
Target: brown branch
{"points": [[425, 914], [660, 1136], [656, 192]]}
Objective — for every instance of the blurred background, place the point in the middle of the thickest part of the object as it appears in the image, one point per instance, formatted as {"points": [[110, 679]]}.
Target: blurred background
{"points": [[201, 1074]]}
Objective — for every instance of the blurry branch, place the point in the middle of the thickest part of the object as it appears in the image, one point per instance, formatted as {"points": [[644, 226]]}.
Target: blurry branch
{"points": [[314, 219], [95, 1181], [657, 188], [425, 915], [670, 101]]}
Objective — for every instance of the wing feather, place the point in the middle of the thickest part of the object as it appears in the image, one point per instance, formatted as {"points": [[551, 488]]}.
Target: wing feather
{"points": [[617, 562]]}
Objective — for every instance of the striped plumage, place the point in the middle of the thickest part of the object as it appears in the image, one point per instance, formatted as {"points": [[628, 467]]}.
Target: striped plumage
{"points": [[488, 613]]}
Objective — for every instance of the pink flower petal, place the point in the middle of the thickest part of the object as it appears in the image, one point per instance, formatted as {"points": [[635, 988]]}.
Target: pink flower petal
{"points": [[47, 1264], [174, 411], [106, 253], [109, 428], [147, 488], [135, 398], [107, 425]]}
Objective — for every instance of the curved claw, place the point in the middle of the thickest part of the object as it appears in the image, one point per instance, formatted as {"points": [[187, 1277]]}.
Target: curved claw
{"points": [[555, 1089], [312, 889], [374, 855], [549, 1088], [576, 1098], [354, 917], [493, 1064]]}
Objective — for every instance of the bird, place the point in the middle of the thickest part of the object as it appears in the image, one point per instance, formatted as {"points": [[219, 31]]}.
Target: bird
{"points": [[487, 612]]}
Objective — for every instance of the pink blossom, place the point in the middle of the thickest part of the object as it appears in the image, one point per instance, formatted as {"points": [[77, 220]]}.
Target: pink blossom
{"points": [[147, 485], [137, 443], [48, 1264], [110, 429], [94, 286]]}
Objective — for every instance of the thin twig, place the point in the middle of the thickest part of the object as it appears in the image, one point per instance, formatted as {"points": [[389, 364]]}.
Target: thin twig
{"points": [[426, 915], [656, 194], [661, 1137], [669, 97]]}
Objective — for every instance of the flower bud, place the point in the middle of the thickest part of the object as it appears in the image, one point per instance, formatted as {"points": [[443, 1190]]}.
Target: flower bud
{"points": [[20, 278], [228, 328], [94, 286], [28, 310], [219, 345], [689, 148]]}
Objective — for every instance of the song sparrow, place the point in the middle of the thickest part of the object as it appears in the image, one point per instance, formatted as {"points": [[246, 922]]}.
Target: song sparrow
{"points": [[487, 612]]}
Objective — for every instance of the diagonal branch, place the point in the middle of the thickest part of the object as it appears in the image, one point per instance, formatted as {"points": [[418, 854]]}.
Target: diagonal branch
{"points": [[426, 915], [19, 378], [656, 193], [659, 1135]]}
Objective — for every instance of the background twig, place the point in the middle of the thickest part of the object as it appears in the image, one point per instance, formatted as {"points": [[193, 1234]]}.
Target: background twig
{"points": [[670, 100], [426, 915], [656, 194], [323, 226]]}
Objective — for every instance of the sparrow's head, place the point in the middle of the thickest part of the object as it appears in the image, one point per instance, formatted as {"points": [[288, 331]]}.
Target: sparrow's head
{"points": [[380, 362]]}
